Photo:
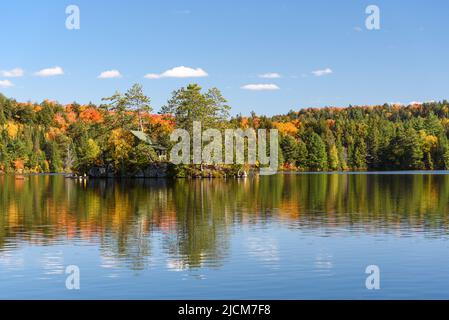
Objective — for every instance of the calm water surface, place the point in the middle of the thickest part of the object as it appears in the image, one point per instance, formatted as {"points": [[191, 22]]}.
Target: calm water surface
{"points": [[287, 236]]}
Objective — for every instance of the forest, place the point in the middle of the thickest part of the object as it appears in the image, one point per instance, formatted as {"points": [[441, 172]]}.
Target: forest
{"points": [[50, 137]]}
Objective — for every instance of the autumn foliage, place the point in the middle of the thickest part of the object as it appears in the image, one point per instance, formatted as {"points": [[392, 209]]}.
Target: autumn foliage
{"points": [[48, 136]]}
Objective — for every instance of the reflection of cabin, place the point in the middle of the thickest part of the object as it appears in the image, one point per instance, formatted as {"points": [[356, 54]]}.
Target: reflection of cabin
{"points": [[160, 150]]}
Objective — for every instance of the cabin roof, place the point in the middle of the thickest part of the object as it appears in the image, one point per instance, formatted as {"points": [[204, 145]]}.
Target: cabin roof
{"points": [[142, 136]]}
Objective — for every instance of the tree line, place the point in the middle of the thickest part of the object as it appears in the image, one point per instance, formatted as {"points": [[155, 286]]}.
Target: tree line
{"points": [[387, 137], [50, 137]]}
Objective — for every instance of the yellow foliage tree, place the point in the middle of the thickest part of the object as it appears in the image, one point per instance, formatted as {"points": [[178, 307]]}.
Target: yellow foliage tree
{"points": [[12, 129], [286, 128], [120, 145]]}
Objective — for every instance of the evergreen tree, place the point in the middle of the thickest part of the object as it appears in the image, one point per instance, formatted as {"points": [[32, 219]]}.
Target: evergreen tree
{"points": [[289, 149], [54, 157], [317, 158], [189, 104], [443, 153], [358, 155], [302, 156]]}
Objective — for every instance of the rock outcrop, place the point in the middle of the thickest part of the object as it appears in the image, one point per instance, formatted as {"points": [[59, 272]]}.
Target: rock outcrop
{"points": [[154, 170]]}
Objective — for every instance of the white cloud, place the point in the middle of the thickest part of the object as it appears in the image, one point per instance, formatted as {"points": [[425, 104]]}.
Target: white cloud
{"points": [[50, 72], [152, 76], [270, 75], [319, 73], [17, 72], [109, 74], [6, 84], [178, 72], [414, 102], [358, 29], [261, 87]]}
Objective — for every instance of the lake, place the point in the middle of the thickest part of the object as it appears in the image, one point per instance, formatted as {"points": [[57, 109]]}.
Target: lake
{"points": [[287, 236]]}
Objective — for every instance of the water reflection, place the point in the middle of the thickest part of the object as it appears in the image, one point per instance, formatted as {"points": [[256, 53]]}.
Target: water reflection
{"points": [[191, 221]]}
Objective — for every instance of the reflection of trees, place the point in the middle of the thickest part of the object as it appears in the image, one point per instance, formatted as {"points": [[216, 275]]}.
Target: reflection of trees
{"points": [[194, 218], [202, 215]]}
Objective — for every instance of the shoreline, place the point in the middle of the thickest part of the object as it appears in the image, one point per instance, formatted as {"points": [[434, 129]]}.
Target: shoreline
{"points": [[280, 172]]}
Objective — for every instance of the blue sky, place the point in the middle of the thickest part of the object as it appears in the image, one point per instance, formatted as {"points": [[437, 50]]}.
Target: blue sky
{"points": [[233, 42]]}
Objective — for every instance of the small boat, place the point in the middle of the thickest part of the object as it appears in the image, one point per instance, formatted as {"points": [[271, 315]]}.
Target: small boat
{"points": [[242, 174], [76, 177]]}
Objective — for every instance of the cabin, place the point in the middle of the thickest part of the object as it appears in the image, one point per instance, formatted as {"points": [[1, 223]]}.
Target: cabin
{"points": [[160, 150]]}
